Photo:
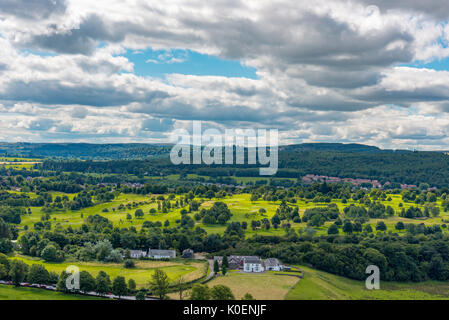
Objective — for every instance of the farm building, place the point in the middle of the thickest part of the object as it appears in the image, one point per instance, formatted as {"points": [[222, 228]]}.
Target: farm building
{"points": [[272, 264], [136, 254], [252, 264], [235, 262], [188, 254], [245, 263], [161, 254]]}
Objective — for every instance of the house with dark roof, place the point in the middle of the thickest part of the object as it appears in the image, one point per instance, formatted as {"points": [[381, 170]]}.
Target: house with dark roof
{"points": [[272, 264], [188, 254]]}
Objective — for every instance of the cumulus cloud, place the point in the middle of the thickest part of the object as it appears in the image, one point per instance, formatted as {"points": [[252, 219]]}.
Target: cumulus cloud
{"points": [[32, 9], [324, 69]]}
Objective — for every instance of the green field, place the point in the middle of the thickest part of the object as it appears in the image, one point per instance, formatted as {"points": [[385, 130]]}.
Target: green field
{"points": [[142, 273], [319, 285], [262, 286], [241, 207], [21, 293]]}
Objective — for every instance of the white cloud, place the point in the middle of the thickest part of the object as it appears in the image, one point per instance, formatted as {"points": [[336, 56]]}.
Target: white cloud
{"points": [[327, 70]]}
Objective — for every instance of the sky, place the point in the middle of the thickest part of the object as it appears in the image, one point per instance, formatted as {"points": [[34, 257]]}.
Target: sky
{"points": [[364, 71]]}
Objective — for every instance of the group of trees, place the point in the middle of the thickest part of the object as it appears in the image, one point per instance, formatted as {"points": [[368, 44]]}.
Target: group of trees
{"points": [[219, 213], [317, 216], [217, 292], [18, 271]]}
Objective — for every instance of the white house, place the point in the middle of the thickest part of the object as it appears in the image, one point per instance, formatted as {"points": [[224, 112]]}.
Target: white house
{"points": [[252, 264], [137, 254], [161, 254], [272, 264]]}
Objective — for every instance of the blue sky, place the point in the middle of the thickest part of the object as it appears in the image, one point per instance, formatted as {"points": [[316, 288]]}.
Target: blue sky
{"points": [[157, 63], [436, 64]]}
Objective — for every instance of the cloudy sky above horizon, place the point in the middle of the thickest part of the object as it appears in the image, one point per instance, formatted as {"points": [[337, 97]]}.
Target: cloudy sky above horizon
{"points": [[365, 71]]}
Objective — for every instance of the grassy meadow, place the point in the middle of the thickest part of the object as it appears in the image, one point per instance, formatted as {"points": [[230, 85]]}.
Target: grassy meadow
{"points": [[242, 209], [144, 269], [319, 285], [21, 293]]}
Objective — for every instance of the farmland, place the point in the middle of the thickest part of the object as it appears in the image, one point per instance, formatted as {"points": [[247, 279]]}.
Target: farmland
{"points": [[141, 273], [12, 293], [319, 285], [266, 286]]}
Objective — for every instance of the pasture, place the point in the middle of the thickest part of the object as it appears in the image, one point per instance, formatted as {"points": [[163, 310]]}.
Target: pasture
{"points": [[320, 285], [144, 269], [263, 286], [21, 293]]}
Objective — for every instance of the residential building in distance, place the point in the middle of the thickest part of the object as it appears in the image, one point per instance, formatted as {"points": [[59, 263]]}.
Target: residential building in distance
{"points": [[252, 264], [161, 254], [272, 264], [137, 254], [188, 254]]}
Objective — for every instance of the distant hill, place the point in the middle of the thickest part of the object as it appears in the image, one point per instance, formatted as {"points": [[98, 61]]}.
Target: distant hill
{"points": [[135, 151], [85, 150], [339, 147]]}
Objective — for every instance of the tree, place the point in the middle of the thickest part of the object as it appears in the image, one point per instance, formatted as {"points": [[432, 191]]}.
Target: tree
{"points": [[225, 262], [61, 285], [209, 194], [333, 229], [129, 264], [224, 270], [5, 231], [18, 271], [180, 283], [138, 213], [347, 227], [38, 274], [368, 228], [248, 296], [221, 292], [119, 287], [102, 283], [3, 272], [216, 267], [381, 226], [436, 267], [200, 292], [400, 226], [87, 282], [140, 295], [159, 283], [50, 254], [132, 286]]}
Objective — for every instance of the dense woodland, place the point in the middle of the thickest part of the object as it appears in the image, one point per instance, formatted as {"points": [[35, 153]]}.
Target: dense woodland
{"points": [[396, 167]]}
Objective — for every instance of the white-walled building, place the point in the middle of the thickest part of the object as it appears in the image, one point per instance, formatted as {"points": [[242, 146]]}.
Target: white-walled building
{"points": [[252, 264], [161, 254], [272, 264], [137, 254]]}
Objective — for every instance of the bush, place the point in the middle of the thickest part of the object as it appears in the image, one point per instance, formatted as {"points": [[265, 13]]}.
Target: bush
{"points": [[129, 264]]}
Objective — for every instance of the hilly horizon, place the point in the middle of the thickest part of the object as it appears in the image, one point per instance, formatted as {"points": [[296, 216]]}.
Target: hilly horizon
{"points": [[143, 150]]}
